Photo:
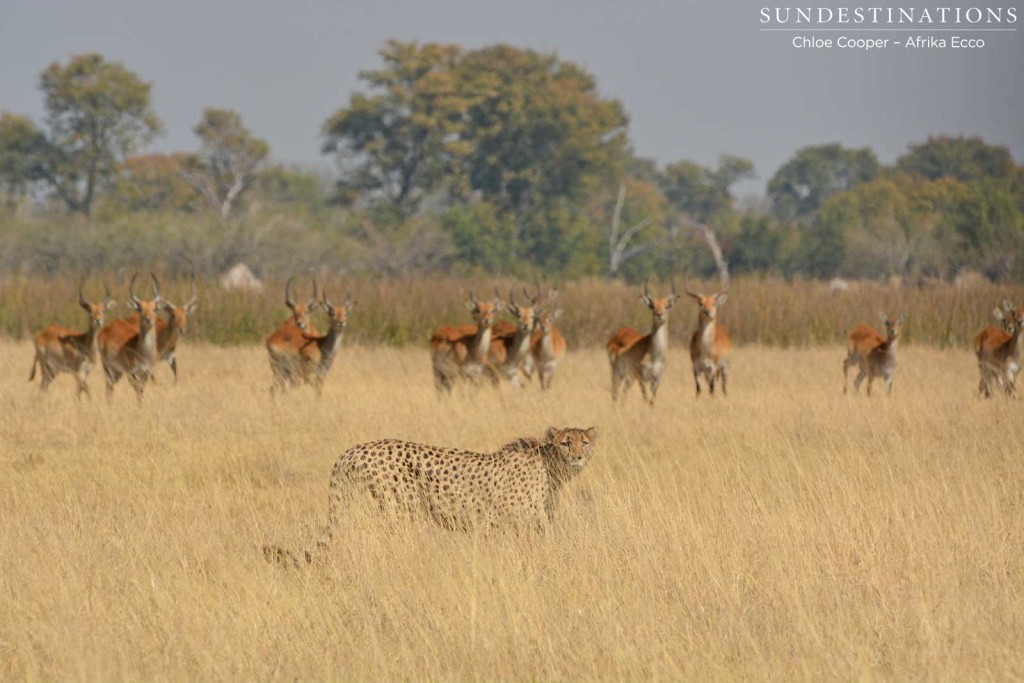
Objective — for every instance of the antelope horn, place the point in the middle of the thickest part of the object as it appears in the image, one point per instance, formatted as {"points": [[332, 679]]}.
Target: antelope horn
{"points": [[131, 289], [327, 302], [472, 297], [195, 294], [674, 295], [288, 293], [156, 288], [312, 299], [348, 298], [81, 295], [106, 293]]}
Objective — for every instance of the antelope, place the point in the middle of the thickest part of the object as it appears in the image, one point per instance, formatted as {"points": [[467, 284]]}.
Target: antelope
{"points": [[983, 338], [999, 354], [548, 345], [169, 331], [284, 345], [131, 351], [634, 356], [59, 349], [462, 351], [874, 355], [510, 351], [317, 354], [710, 343]]}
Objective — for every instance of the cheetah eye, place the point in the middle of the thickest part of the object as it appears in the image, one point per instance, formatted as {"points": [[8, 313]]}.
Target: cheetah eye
{"points": [[565, 443]]}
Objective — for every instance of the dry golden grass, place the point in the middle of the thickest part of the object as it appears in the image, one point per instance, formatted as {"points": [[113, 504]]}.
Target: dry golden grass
{"points": [[786, 532]]}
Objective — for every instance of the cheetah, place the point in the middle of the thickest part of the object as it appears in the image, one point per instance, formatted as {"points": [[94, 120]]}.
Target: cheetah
{"points": [[515, 485]]}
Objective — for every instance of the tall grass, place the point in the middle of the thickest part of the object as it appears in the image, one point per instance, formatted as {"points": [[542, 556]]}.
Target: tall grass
{"points": [[404, 312], [787, 532]]}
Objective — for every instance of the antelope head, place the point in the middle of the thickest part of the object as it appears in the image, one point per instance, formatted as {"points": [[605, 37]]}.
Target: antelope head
{"points": [[659, 307], [707, 306], [484, 311], [338, 314], [180, 314], [300, 312], [526, 316], [147, 310], [96, 311], [892, 327]]}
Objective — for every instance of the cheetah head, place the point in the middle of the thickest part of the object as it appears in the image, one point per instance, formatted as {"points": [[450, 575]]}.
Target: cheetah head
{"points": [[574, 445]]}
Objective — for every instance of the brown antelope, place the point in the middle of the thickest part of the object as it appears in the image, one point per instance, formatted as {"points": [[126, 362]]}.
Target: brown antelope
{"points": [[1006, 317], [318, 353], [462, 351], [634, 356], [131, 351], [510, 343], [548, 345], [873, 354], [169, 331], [59, 349], [999, 354], [710, 343], [284, 345]]}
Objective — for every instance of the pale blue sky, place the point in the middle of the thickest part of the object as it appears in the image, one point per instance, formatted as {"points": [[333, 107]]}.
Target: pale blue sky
{"points": [[697, 78]]}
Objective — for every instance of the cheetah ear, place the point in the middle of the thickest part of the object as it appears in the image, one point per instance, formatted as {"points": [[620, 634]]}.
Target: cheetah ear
{"points": [[592, 433], [551, 433]]}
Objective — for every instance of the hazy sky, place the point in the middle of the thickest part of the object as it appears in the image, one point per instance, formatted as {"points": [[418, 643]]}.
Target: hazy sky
{"points": [[697, 78]]}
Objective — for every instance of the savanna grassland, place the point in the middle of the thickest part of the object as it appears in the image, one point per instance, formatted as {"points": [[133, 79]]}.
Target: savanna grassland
{"points": [[785, 532]]}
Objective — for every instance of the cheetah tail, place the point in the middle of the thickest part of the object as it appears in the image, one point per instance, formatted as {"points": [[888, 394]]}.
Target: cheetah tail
{"points": [[275, 554], [35, 362]]}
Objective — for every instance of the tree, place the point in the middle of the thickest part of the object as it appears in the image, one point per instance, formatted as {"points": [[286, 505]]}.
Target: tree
{"points": [[97, 113], [703, 195], [962, 158], [636, 228], [228, 161], [20, 142], [152, 182], [399, 143], [803, 183]]}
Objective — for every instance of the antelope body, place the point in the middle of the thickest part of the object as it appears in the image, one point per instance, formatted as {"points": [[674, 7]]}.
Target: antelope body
{"points": [[128, 350], [509, 353], [318, 353], [58, 349], [873, 354], [999, 352], [461, 352], [286, 343], [547, 345], [169, 331], [637, 357], [710, 343]]}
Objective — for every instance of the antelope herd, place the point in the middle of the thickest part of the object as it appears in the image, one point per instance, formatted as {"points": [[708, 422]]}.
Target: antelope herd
{"points": [[486, 349]]}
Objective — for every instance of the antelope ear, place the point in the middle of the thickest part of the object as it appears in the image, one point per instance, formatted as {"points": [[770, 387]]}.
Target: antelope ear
{"points": [[471, 305], [134, 306], [592, 433], [550, 434], [191, 308], [110, 303], [883, 317], [902, 319], [997, 313], [645, 300], [556, 314], [721, 298]]}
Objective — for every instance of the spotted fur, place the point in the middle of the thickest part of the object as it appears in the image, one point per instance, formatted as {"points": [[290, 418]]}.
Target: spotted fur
{"points": [[516, 485]]}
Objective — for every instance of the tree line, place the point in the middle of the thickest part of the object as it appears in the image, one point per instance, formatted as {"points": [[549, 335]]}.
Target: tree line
{"points": [[497, 159]]}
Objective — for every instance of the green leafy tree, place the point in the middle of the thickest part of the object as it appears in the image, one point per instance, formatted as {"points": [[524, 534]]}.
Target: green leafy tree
{"points": [[97, 114], [799, 188], [228, 162], [151, 182], [20, 144], [962, 158], [400, 142]]}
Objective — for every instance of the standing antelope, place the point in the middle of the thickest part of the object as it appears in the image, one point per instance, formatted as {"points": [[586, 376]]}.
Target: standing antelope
{"points": [[131, 351], [999, 354], [710, 343], [169, 331], [317, 354], [284, 345], [59, 349], [548, 345], [510, 344], [634, 356], [873, 355], [462, 351], [1006, 317]]}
